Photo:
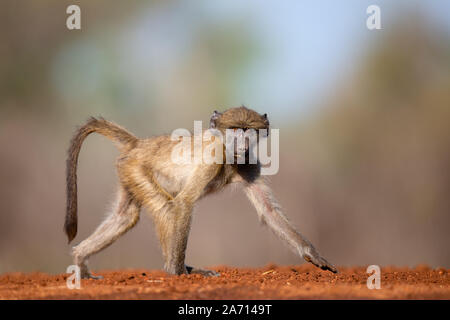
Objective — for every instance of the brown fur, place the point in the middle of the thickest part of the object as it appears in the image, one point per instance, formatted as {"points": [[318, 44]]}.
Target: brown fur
{"points": [[149, 178], [123, 139], [241, 117]]}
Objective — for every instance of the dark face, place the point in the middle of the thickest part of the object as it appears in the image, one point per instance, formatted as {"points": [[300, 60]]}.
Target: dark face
{"points": [[240, 126], [242, 139]]}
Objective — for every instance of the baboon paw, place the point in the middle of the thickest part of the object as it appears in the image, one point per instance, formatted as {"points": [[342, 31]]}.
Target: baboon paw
{"points": [[312, 256], [203, 272], [90, 276]]}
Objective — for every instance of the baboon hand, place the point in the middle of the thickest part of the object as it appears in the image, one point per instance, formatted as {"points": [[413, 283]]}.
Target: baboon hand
{"points": [[206, 273], [311, 255]]}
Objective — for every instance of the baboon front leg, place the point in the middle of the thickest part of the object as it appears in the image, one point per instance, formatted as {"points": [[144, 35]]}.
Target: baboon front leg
{"points": [[172, 215], [176, 245], [123, 218], [173, 225], [270, 212]]}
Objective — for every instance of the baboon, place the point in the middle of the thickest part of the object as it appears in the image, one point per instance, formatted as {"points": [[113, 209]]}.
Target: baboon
{"points": [[148, 178]]}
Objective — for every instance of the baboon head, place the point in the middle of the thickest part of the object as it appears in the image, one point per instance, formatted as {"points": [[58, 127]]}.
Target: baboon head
{"points": [[243, 123]]}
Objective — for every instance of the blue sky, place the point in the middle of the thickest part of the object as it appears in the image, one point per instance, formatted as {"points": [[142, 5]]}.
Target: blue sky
{"points": [[311, 46], [314, 43]]}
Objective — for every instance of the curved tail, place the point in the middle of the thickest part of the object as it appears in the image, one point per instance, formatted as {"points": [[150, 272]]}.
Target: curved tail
{"points": [[119, 135]]}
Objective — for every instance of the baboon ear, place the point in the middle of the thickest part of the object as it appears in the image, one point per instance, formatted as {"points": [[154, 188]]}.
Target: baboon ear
{"points": [[267, 123], [214, 117]]}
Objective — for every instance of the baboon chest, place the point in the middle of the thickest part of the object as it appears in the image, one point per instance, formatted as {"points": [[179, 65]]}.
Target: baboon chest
{"points": [[223, 178]]}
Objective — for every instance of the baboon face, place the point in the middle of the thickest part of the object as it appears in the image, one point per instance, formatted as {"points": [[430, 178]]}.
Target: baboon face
{"points": [[241, 125]]}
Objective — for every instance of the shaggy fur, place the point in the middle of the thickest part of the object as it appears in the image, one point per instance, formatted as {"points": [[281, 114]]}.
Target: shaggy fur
{"points": [[148, 177]]}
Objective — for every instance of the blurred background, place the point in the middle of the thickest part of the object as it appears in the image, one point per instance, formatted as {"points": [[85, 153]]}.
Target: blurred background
{"points": [[364, 119]]}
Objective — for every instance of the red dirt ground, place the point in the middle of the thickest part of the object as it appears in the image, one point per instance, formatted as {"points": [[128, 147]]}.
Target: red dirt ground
{"points": [[270, 282]]}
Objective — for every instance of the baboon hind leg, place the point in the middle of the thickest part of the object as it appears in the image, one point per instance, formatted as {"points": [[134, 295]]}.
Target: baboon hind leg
{"points": [[123, 218]]}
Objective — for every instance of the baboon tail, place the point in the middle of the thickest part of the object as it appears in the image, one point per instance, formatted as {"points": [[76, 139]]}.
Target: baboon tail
{"points": [[119, 135]]}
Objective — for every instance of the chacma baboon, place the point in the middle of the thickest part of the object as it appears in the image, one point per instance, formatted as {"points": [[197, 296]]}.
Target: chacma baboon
{"points": [[149, 178]]}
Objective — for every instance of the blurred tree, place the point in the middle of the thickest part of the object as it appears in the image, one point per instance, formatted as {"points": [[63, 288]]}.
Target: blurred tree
{"points": [[31, 32], [381, 146]]}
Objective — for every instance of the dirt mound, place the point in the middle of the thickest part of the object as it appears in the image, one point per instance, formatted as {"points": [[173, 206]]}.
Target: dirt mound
{"points": [[270, 282]]}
